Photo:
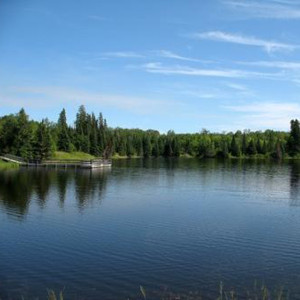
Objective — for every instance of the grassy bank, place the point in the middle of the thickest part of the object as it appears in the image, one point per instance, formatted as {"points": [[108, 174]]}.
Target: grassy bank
{"points": [[117, 156], [60, 155], [7, 165]]}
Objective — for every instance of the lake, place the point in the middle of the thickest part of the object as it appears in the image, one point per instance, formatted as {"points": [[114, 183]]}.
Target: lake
{"points": [[175, 225]]}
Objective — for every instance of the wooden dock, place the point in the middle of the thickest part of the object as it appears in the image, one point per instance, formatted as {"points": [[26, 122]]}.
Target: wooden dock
{"points": [[85, 164]]}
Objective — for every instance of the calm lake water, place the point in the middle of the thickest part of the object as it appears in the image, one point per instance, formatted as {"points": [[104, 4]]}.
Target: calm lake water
{"points": [[181, 225]]}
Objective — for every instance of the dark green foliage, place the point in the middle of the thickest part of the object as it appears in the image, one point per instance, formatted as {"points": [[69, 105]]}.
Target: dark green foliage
{"points": [[23, 141], [259, 146], [244, 143], [63, 139], [43, 146], [224, 149], [30, 139], [251, 149], [147, 149], [234, 147], [293, 144]]}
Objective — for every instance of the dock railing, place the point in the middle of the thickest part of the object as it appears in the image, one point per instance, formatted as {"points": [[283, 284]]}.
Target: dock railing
{"points": [[93, 163]]}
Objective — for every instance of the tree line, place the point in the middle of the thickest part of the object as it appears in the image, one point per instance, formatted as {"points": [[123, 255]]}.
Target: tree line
{"points": [[90, 134]]}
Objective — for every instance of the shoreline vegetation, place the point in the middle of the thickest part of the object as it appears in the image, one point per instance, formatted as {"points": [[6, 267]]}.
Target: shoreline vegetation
{"points": [[7, 165], [257, 291], [91, 137]]}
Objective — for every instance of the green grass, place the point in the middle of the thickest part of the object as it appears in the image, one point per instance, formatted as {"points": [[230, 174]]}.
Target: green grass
{"points": [[7, 165], [60, 155], [117, 156]]}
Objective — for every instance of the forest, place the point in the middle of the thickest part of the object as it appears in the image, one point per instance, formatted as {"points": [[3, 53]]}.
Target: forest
{"points": [[91, 134]]}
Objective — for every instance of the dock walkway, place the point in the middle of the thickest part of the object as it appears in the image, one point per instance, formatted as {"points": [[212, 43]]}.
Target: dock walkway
{"points": [[87, 164]]}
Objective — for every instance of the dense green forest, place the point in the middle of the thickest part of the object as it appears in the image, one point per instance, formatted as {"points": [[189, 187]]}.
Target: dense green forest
{"points": [[90, 133]]}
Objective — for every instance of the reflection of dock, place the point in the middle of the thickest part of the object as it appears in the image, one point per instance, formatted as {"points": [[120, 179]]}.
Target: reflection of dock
{"points": [[86, 164]]}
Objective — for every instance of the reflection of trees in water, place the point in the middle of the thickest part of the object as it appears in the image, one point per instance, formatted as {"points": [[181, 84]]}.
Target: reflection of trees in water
{"points": [[15, 191], [62, 180], [90, 185], [19, 187], [294, 183], [42, 184]]}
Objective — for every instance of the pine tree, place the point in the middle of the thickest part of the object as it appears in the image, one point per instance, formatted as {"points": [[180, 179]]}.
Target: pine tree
{"points": [[82, 127], [43, 146], [258, 146], [63, 142], [102, 133], [225, 150], [293, 144], [147, 146], [244, 143], [234, 147], [175, 147], [251, 149], [23, 139]]}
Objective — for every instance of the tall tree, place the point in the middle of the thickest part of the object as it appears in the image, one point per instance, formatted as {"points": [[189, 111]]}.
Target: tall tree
{"points": [[234, 147], [63, 139], [294, 138], [82, 130], [251, 149], [23, 139], [43, 146]]}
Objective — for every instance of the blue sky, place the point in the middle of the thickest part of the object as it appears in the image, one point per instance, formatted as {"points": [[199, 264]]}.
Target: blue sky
{"points": [[185, 65]]}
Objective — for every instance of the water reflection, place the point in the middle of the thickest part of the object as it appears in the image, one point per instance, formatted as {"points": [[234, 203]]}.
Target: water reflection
{"points": [[18, 188], [184, 223], [295, 184], [90, 185]]}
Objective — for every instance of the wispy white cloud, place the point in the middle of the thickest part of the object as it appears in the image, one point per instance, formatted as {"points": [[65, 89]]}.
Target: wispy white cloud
{"points": [[172, 55], [150, 54], [237, 87], [186, 70], [123, 54], [274, 64], [276, 9], [47, 97], [265, 114], [199, 94], [219, 36]]}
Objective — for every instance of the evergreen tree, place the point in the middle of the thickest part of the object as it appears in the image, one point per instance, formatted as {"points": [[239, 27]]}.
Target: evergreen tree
{"points": [[264, 148], [234, 147], [63, 139], [155, 148], [82, 132], [294, 138], [175, 147], [251, 149], [43, 147], [23, 139], [244, 143], [147, 146], [258, 146], [94, 147], [225, 150]]}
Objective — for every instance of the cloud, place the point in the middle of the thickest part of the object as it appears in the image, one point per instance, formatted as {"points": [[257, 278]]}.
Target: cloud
{"points": [[148, 54], [237, 87], [185, 70], [172, 55], [199, 94], [123, 54], [219, 36], [266, 9], [274, 64], [47, 97], [265, 114]]}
